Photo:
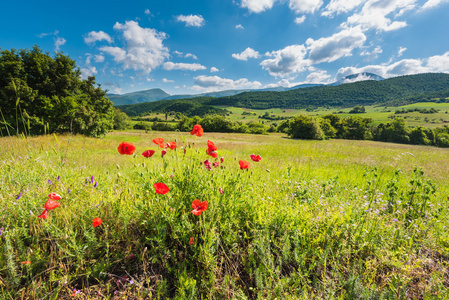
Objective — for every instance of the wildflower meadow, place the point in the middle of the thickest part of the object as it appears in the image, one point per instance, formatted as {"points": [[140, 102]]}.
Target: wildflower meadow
{"points": [[171, 215]]}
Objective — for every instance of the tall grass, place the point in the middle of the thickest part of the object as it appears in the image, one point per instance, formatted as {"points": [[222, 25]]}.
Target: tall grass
{"points": [[313, 219]]}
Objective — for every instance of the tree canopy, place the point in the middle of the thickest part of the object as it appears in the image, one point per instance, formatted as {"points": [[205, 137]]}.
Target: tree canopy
{"points": [[44, 94]]}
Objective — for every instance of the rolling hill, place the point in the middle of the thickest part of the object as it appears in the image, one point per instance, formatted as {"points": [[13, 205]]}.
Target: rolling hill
{"points": [[367, 92]]}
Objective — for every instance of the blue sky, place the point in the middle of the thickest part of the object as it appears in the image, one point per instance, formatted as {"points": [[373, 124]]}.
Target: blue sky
{"points": [[190, 47]]}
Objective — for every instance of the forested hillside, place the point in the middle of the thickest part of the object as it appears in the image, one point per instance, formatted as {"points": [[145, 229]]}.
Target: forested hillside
{"points": [[403, 89]]}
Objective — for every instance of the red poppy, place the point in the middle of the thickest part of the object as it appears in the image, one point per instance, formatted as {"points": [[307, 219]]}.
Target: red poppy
{"points": [[43, 215], [185, 150], [199, 207], [54, 196], [207, 164], [148, 153], [197, 129], [25, 262], [221, 160], [221, 190], [171, 145], [216, 164], [191, 242], [126, 148], [255, 157], [159, 141], [51, 204], [163, 152], [161, 188], [97, 222], [211, 146], [243, 164], [214, 154]]}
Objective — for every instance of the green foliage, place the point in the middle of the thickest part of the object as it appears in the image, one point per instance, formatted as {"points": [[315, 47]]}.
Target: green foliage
{"points": [[43, 94], [357, 110], [121, 120], [305, 127]]}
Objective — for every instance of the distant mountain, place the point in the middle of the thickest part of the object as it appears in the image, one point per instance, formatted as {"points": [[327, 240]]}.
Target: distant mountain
{"points": [[408, 88], [138, 97]]}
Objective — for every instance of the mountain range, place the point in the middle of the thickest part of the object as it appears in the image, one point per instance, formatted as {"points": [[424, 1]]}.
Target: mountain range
{"points": [[159, 94], [392, 91]]}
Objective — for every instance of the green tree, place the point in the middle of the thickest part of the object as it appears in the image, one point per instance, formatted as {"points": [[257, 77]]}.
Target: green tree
{"points": [[40, 93], [305, 127]]}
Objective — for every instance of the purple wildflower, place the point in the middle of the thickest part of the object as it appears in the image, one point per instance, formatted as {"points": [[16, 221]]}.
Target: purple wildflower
{"points": [[49, 182], [18, 196], [96, 184], [69, 190], [59, 177], [131, 281], [1, 230], [92, 179]]}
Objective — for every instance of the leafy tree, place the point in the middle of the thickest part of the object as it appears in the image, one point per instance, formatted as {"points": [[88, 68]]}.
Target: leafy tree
{"points": [[121, 120], [43, 94], [305, 127]]}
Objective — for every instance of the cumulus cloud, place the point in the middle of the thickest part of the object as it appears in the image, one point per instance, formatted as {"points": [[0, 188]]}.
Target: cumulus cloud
{"points": [[147, 12], [165, 80], [257, 6], [99, 58], [190, 55], [331, 48], [239, 26], [318, 76], [213, 70], [336, 7], [214, 83], [143, 50], [305, 6], [59, 41], [248, 53], [437, 63], [300, 20], [191, 20], [378, 14], [183, 66], [433, 3], [88, 71], [289, 60], [96, 36]]}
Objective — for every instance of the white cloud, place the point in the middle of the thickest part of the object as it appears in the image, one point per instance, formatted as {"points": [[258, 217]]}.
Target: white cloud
{"points": [[340, 6], [147, 12], [305, 6], [99, 58], [214, 83], [178, 53], [95, 36], [339, 45], [378, 14], [257, 6], [359, 77], [88, 71], [165, 80], [144, 49], [190, 55], [248, 53], [401, 51], [213, 70], [239, 26], [373, 54], [59, 41], [45, 34], [289, 60], [437, 63], [433, 3], [149, 79], [300, 20], [183, 66], [191, 20], [318, 76]]}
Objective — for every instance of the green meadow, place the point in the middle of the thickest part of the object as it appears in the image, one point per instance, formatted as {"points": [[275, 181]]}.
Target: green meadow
{"points": [[379, 114], [334, 219]]}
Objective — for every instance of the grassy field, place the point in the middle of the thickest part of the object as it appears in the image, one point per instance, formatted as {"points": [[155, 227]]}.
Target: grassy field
{"points": [[332, 219], [378, 114]]}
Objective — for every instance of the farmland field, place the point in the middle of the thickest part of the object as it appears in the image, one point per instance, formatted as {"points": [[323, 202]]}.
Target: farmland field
{"points": [[333, 219]]}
